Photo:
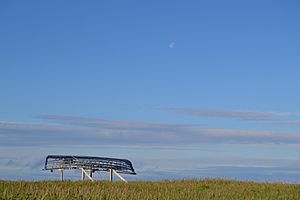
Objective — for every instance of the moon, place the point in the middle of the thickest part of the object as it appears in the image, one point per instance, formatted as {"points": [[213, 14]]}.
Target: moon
{"points": [[172, 45]]}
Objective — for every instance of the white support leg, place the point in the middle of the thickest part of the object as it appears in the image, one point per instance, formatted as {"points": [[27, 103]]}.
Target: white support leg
{"points": [[110, 175], [116, 173], [62, 174], [91, 173], [87, 174], [82, 175]]}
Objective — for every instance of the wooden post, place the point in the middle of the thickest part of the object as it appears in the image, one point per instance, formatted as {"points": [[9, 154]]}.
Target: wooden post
{"points": [[110, 175]]}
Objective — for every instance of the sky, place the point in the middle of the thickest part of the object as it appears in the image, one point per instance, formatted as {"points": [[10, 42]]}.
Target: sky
{"points": [[184, 89]]}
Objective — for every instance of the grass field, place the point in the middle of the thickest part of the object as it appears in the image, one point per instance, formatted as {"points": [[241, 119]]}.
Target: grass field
{"points": [[185, 189]]}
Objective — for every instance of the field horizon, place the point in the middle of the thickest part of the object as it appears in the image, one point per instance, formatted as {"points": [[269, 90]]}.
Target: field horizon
{"points": [[166, 189]]}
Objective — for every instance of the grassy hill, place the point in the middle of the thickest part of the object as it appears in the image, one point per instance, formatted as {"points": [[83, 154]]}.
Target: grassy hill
{"points": [[185, 189]]}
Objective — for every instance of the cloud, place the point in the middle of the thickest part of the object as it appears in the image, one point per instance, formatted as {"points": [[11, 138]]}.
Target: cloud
{"points": [[24, 134], [287, 123], [260, 174], [173, 164], [74, 130], [79, 130], [172, 133], [111, 124], [246, 136], [242, 115]]}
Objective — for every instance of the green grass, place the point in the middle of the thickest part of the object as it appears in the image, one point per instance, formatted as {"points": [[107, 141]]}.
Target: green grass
{"points": [[185, 189]]}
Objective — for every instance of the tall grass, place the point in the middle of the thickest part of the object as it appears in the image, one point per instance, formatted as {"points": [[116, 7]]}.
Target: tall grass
{"points": [[185, 189]]}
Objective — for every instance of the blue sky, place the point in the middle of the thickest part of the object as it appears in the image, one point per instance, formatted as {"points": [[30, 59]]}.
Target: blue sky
{"points": [[211, 83]]}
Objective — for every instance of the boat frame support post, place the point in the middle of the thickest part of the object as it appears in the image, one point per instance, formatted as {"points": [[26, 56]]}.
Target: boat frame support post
{"points": [[62, 174], [83, 171], [82, 175], [110, 175], [121, 177]]}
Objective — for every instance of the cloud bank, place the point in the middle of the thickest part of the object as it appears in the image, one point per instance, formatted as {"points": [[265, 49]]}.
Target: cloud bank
{"points": [[77, 130], [242, 115], [288, 123]]}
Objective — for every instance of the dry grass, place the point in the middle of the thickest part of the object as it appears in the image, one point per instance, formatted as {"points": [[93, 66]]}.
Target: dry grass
{"points": [[185, 189]]}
